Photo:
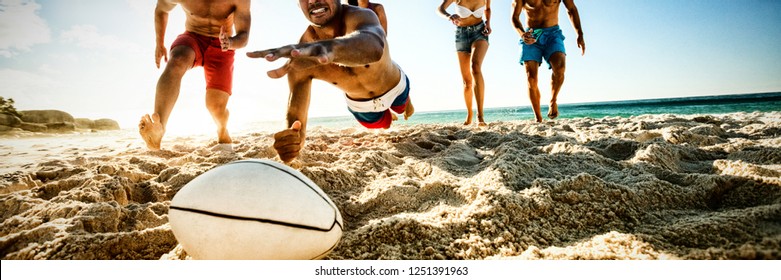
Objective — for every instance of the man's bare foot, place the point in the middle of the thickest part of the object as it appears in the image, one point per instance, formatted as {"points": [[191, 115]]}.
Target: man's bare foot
{"points": [[151, 131], [408, 110], [394, 117], [553, 111], [223, 137], [481, 122]]}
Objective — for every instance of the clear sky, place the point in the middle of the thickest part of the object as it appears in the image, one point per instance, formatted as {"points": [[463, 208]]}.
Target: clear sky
{"points": [[95, 58]]}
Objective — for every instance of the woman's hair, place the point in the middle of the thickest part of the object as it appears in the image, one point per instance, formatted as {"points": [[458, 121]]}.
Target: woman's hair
{"points": [[352, 2]]}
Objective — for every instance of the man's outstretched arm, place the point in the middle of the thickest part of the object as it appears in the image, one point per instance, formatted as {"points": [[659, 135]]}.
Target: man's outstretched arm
{"points": [[363, 46]]}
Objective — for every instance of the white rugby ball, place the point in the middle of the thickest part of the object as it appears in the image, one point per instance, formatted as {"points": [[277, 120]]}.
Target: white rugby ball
{"points": [[254, 209]]}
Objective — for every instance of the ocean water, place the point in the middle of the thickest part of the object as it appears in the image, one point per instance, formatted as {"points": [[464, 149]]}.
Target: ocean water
{"points": [[720, 104]]}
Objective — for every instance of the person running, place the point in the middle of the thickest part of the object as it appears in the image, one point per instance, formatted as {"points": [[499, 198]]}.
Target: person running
{"points": [[345, 46], [209, 41], [471, 47], [544, 39]]}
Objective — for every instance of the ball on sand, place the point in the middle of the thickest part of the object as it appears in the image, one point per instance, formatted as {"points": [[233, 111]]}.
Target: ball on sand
{"points": [[254, 209]]}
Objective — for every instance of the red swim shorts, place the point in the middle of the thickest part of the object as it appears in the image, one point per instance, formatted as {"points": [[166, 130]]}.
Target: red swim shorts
{"points": [[217, 65]]}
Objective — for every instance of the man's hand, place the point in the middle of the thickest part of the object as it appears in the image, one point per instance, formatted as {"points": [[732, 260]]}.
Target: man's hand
{"points": [[528, 37], [582, 44], [288, 142], [160, 52], [225, 40], [312, 51], [300, 58]]}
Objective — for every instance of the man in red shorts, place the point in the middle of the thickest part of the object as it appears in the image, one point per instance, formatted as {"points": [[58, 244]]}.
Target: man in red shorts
{"points": [[208, 42]]}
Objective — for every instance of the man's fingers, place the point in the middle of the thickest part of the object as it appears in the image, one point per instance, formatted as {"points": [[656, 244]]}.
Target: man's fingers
{"points": [[287, 157], [225, 40], [160, 53], [269, 55], [258, 54], [286, 142], [296, 126], [288, 152], [287, 137], [272, 54], [279, 72]]}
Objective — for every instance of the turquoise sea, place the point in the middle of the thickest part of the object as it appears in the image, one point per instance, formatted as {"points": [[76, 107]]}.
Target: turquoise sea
{"points": [[719, 104]]}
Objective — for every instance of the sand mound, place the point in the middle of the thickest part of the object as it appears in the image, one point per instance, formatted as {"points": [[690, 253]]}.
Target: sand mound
{"points": [[648, 187]]}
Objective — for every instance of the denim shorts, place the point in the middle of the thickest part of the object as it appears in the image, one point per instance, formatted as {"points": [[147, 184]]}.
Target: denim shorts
{"points": [[467, 35]]}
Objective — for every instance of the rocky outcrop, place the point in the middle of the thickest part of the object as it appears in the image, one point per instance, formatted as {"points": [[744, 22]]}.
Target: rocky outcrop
{"points": [[53, 121], [61, 127], [105, 124], [99, 124], [10, 120], [46, 116], [83, 123], [34, 127]]}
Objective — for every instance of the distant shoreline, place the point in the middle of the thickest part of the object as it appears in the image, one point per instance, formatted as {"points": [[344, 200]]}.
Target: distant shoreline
{"points": [[705, 105]]}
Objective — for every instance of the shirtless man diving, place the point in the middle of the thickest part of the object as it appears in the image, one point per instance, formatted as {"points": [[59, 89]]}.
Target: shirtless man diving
{"points": [[208, 41], [345, 46], [544, 39]]}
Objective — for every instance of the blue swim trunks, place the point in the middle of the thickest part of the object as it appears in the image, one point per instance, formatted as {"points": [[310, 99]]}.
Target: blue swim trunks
{"points": [[549, 41]]}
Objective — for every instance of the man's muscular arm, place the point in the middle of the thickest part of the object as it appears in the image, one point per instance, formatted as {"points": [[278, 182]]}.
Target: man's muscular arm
{"points": [[526, 35], [242, 21], [516, 18], [161, 23], [289, 142], [363, 46], [574, 17]]}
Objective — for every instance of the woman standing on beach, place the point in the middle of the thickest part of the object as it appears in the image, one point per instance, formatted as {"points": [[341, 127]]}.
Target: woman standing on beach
{"points": [[471, 46]]}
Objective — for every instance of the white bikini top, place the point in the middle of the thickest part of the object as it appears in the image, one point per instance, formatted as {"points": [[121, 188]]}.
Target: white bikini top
{"points": [[464, 12]]}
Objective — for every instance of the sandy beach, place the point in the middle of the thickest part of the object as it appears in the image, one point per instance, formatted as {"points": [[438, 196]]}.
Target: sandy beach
{"points": [[646, 187]]}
